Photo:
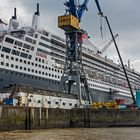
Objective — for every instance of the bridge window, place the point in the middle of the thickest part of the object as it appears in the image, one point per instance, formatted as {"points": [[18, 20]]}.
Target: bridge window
{"points": [[4, 49], [9, 40], [18, 43], [28, 39], [24, 55], [15, 52], [26, 46]]}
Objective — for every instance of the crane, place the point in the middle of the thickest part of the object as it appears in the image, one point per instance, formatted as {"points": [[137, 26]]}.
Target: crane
{"points": [[75, 9], [116, 46], [1, 22], [108, 44], [73, 69]]}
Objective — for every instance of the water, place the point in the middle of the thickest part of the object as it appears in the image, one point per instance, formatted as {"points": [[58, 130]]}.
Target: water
{"points": [[74, 134]]}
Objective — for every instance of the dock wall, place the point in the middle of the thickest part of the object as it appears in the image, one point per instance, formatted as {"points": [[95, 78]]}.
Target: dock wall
{"points": [[26, 118]]}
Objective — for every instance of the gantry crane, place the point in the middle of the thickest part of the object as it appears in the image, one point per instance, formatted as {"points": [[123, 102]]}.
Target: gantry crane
{"points": [[73, 75]]}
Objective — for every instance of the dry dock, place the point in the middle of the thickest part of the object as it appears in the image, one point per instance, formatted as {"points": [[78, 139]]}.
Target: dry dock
{"points": [[26, 118]]}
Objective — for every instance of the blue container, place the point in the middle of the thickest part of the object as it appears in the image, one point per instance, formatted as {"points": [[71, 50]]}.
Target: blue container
{"points": [[138, 98], [8, 101], [122, 106]]}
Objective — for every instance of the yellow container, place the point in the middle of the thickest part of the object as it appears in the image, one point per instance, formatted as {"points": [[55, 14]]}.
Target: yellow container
{"points": [[68, 22]]}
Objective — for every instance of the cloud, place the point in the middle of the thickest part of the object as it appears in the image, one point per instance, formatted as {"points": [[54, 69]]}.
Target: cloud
{"points": [[136, 65]]}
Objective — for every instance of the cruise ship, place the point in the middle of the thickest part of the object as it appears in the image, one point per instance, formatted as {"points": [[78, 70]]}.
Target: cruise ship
{"points": [[34, 57]]}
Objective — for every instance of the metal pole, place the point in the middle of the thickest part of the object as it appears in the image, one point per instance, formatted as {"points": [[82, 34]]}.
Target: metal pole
{"points": [[120, 59]]}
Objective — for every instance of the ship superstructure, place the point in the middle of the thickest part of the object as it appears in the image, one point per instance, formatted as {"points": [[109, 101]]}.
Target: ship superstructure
{"points": [[34, 57]]}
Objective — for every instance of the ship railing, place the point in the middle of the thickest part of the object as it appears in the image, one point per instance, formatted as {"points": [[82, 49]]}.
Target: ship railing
{"points": [[57, 46], [58, 38], [28, 30], [107, 79], [87, 50]]}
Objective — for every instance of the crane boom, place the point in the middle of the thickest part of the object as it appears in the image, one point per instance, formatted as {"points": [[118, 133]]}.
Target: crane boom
{"points": [[108, 44], [76, 10], [82, 9]]}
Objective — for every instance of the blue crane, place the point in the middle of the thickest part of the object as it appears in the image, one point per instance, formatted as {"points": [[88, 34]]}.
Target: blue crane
{"points": [[75, 9], [73, 70]]}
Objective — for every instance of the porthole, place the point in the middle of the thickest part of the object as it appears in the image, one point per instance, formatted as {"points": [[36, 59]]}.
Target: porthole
{"points": [[49, 102], [2, 63], [12, 65], [7, 64], [2, 55], [56, 103], [7, 57]]}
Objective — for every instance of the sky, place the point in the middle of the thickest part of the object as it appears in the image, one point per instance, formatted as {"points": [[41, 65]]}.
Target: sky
{"points": [[123, 16]]}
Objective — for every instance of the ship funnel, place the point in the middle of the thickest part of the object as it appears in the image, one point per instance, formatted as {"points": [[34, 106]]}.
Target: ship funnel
{"points": [[15, 14], [13, 23], [35, 20], [38, 12]]}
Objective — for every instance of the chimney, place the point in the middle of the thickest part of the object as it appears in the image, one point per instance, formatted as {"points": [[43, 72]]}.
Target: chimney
{"points": [[37, 12], [15, 14]]}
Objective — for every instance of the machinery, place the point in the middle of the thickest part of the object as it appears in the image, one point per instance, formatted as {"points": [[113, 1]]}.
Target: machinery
{"points": [[73, 71]]}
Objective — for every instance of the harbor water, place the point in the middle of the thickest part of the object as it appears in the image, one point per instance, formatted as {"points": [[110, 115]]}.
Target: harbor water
{"points": [[127, 133]]}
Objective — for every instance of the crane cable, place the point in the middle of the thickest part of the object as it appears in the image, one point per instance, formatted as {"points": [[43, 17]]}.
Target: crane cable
{"points": [[101, 26]]}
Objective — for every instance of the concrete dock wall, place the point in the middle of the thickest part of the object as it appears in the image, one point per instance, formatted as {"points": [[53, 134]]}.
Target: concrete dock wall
{"points": [[36, 118], [105, 118]]}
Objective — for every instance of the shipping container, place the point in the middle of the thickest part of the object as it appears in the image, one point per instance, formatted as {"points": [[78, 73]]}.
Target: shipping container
{"points": [[68, 22]]}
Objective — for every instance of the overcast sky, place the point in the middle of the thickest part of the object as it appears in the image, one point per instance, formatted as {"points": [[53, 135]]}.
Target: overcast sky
{"points": [[124, 16]]}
